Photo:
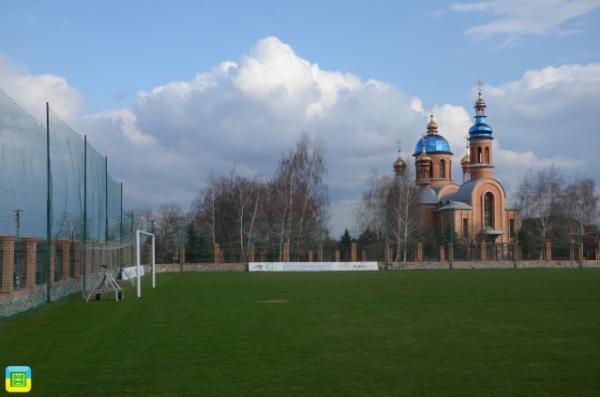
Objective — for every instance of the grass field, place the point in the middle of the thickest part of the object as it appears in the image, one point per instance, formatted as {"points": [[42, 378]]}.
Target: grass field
{"points": [[413, 333]]}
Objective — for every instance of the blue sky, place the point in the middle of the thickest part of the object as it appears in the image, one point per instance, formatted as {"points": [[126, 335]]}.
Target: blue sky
{"points": [[197, 88], [116, 48]]}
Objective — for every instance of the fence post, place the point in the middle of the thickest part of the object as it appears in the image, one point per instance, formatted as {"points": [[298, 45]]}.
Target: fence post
{"points": [[52, 262], [580, 257], [8, 261], [77, 253], [337, 255], [469, 251], [419, 255], [182, 255], [310, 255], [572, 253], [286, 252], [364, 255], [320, 252], [65, 250], [515, 254], [31, 244], [450, 254], [216, 253], [442, 253], [548, 251], [251, 252], [386, 253], [483, 251], [353, 252]]}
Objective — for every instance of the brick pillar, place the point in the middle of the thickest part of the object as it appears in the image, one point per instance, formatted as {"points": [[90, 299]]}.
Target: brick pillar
{"points": [[182, 255], [263, 255], [65, 249], [364, 255], [572, 253], [148, 252], [442, 254], [469, 252], [450, 253], [419, 253], [337, 255], [353, 252], [386, 253], [52, 262], [77, 264], [286, 252], [320, 252], [310, 256], [580, 257], [31, 246], [251, 252], [548, 251], [8, 261], [515, 252], [216, 253], [483, 251]]}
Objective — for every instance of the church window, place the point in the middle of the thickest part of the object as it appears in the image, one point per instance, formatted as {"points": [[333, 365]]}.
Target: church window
{"points": [[487, 155], [431, 172], [465, 228], [488, 210], [442, 168], [479, 155]]}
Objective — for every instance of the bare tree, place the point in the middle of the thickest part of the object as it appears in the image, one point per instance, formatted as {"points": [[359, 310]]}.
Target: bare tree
{"points": [[404, 214], [169, 232], [539, 198], [390, 208], [580, 203]]}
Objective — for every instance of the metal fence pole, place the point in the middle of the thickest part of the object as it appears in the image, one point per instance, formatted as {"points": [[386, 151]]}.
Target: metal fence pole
{"points": [[83, 252], [48, 204]]}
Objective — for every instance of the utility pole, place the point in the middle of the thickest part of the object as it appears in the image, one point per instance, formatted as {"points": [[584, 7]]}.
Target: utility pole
{"points": [[18, 223], [84, 237], [48, 205]]}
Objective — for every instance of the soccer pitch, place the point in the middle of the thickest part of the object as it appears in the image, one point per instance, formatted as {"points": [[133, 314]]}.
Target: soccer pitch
{"points": [[447, 333]]}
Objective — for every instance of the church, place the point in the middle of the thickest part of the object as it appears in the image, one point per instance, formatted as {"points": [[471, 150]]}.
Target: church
{"points": [[477, 208]]}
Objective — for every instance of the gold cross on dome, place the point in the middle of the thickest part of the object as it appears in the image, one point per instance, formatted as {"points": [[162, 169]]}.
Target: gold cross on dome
{"points": [[479, 85]]}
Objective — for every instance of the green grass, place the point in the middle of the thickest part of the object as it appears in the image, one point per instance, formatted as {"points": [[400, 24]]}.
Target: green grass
{"points": [[413, 333]]}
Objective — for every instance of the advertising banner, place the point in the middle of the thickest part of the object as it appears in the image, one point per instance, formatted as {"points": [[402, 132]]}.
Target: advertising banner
{"points": [[312, 266]]}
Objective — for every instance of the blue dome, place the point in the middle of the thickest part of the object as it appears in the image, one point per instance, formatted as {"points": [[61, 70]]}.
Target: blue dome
{"points": [[434, 143], [480, 129]]}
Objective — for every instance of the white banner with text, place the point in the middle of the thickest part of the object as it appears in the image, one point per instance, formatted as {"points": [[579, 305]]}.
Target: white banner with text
{"points": [[312, 266]]}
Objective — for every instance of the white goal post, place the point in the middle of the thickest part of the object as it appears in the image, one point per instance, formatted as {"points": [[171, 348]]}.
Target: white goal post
{"points": [[138, 260]]}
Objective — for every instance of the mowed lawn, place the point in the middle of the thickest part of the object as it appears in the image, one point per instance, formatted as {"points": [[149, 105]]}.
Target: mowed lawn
{"points": [[413, 333]]}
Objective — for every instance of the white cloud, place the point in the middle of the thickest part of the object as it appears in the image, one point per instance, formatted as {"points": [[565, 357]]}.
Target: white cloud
{"points": [[514, 18], [32, 91], [244, 113]]}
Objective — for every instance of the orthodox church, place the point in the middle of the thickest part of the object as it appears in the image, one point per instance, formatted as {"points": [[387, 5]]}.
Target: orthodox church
{"points": [[476, 209]]}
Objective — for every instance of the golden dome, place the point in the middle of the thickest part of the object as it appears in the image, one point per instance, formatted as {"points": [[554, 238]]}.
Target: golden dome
{"points": [[466, 159], [423, 157], [480, 103], [432, 127], [399, 163]]}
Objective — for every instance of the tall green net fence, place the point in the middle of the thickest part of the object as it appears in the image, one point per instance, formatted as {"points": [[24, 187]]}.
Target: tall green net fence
{"points": [[61, 213]]}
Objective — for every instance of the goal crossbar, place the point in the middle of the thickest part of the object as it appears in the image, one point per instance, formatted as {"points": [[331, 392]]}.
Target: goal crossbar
{"points": [[138, 233]]}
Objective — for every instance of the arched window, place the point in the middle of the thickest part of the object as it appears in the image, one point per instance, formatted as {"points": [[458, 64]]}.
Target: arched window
{"points": [[487, 155], [431, 171], [479, 155], [442, 168], [488, 210]]}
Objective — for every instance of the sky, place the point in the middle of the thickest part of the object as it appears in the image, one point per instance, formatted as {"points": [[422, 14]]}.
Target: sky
{"points": [[176, 91]]}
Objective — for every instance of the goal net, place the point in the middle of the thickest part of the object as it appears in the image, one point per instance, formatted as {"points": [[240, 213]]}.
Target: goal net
{"points": [[120, 270]]}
